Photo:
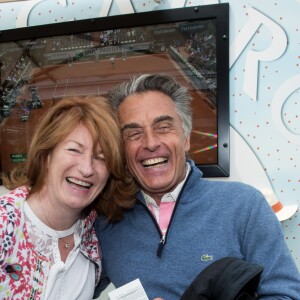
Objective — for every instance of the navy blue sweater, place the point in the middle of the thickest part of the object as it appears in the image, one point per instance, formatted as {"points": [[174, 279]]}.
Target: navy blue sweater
{"points": [[211, 220]]}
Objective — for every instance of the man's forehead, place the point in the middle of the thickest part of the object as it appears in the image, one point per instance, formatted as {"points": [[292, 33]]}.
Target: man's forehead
{"points": [[146, 106], [144, 122]]}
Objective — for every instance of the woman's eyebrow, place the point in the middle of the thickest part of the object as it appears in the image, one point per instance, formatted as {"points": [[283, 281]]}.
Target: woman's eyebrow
{"points": [[75, 142]]}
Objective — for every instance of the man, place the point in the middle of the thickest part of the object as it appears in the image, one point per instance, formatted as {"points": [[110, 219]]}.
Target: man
{"points": [[181, 223]]}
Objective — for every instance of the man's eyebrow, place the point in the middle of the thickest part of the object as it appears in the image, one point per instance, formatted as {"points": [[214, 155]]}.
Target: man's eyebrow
{"points": [[155, 121], [162, 118]]}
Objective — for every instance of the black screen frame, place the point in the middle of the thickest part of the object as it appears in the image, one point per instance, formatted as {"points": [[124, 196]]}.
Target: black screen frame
{"points": [[220, 12]]}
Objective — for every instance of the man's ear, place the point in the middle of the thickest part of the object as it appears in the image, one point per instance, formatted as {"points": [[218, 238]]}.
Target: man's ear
{"points": [[187, 144]]}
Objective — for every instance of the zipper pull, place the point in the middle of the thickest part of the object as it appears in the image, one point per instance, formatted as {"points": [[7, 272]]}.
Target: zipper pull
{"points": [[161, 246]]}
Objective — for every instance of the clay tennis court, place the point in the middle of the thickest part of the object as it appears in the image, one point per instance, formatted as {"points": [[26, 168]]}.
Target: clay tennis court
{"points": [[95, 77]]}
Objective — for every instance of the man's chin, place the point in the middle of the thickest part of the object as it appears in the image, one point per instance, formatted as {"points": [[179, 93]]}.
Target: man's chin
{"points": [[156, 189]]}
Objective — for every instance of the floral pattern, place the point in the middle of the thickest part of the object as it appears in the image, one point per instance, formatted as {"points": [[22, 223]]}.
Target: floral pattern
{"points": [[16, 248]]}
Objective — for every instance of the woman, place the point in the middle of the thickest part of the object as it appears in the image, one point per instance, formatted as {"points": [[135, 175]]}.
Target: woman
{"points": [[75, 168]]}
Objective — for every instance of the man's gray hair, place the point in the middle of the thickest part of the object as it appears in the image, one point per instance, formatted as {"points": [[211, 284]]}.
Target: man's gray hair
{"points": [[162, 83]]}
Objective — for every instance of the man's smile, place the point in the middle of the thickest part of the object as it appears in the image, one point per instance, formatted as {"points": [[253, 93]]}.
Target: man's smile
{"points": [[155, 162]]}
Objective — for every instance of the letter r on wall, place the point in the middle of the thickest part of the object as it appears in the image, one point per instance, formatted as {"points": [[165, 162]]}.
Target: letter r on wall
{"points": [[275, 49]]}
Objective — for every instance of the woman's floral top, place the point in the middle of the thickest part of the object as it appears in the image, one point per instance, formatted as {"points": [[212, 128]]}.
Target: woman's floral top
{"points": [[23, 268]]}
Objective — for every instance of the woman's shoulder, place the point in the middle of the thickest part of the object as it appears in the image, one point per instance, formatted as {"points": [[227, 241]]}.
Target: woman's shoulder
{"points": [[11, 216], [11, 206], [14, 197]]}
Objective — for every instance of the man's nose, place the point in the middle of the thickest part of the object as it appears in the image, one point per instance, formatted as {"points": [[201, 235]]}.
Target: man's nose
{"points": [[150, 141]]}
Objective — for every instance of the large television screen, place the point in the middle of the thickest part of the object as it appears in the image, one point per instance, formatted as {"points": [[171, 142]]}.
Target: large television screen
{"points": [[41, 64]]}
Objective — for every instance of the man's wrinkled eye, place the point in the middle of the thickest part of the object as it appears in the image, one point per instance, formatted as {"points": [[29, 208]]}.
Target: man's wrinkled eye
{"points": [[163, 127], [132, 134]]}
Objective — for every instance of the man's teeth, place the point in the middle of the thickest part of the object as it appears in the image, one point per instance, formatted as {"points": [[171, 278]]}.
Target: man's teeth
{"points": [[154, 161], [79, 182]]}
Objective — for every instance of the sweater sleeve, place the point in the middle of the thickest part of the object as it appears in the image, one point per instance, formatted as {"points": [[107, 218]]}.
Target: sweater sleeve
{"points": [[264, 244]]}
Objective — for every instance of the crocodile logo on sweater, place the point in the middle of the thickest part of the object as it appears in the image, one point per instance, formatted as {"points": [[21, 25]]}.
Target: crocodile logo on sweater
{"points": [[206, 257]]}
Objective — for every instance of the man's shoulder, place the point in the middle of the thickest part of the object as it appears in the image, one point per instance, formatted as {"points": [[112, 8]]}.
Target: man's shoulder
{"points": [[217, 185], [218, 193], [196, 179], [102, 224]]}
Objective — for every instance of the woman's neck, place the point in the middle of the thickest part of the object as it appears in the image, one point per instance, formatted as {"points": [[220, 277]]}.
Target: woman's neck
{"points": [[51, 215]]}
